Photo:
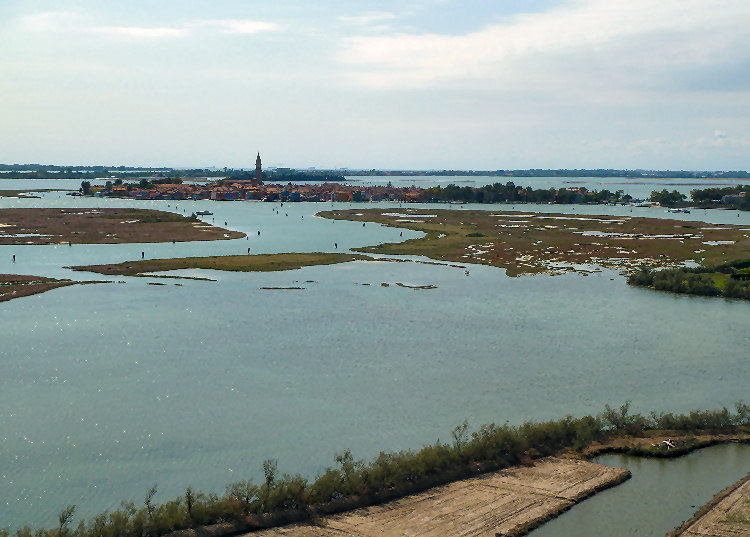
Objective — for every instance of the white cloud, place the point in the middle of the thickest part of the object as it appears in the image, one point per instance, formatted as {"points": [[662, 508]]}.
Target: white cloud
{"points": [[54, 21], [368, 18], [237, 26], [51, 20], [685, 32], [138, 32]]}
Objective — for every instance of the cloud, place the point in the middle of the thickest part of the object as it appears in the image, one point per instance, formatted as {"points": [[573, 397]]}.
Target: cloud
{"points": [[237, 26], [684, 32], [51, 20], [139, 32], [368, 18], [54, 21]]}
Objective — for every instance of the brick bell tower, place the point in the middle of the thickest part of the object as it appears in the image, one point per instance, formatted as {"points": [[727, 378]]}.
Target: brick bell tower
{"points": [[258, 170]]}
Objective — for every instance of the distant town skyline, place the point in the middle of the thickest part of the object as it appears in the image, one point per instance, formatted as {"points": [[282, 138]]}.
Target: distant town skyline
{"points": [[412, 85]]}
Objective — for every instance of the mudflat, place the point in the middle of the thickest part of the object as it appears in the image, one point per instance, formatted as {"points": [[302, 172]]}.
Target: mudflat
{"points": [[103, 226], [525, 243], [509, 503]]}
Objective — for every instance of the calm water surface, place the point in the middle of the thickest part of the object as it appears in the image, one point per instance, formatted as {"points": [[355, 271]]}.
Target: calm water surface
{"points": [[108, 389]]}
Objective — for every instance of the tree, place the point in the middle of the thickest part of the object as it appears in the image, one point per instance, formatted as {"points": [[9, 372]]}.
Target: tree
{"points": [[66, 515], [150, 496], [85, 187], [667, 198]]}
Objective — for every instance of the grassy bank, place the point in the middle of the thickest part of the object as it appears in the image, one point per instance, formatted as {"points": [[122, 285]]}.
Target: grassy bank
{"points": [[236, 263], [282, 498]]}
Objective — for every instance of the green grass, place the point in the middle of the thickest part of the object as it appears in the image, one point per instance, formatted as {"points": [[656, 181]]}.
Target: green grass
{"points": [[234, 263]]}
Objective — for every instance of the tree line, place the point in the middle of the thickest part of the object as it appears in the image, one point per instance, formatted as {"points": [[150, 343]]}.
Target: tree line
{"points": [[706, 197], [510, 192], [350, 483], [698, 280]]}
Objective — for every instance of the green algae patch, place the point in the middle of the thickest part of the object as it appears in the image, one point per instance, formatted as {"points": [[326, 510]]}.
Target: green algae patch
{"points": [[233, 263], [529, 243]]}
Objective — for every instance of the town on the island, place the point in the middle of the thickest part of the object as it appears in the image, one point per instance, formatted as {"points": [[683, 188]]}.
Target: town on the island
{"points": [[249, 187]]}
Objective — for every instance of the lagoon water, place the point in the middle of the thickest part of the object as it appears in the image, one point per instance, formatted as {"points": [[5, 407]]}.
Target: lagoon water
{"points": [[111, 388]]}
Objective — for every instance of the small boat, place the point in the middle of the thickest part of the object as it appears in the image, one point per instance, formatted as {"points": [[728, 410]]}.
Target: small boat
{"points": [[676, 210], [204, 213]]}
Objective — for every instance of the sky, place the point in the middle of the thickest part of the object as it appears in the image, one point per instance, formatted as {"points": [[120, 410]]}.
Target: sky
{"points": [[408, 84]]}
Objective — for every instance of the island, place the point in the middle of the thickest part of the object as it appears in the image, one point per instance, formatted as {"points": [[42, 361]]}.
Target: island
{"points": [[234, 263], [104, 226], [532, 243]]}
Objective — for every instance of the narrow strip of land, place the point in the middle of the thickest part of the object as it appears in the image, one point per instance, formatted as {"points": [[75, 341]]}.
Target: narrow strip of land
{"points": [[510, 502], [16, 285], [235, 263], [104, 226]]}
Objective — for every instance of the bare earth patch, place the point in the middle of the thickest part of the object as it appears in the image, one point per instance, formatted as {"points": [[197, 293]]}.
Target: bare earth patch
{"points": [[103, 226], [555, 243], [510, 502]]}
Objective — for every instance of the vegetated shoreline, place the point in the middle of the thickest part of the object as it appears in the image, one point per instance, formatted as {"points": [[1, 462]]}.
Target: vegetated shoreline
{"points": [[727, 280], [284, 499], [234, 263]]}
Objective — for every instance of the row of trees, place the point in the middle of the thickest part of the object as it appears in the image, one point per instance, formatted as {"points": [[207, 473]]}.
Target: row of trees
{"points": [[354, 483], [666, 198], [509, 192], [706, 197], [715, 195], [698, 280]]}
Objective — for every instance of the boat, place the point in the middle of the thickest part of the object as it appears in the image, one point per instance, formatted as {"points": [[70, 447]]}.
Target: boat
{"points": [[676, 210], [204, 213]]}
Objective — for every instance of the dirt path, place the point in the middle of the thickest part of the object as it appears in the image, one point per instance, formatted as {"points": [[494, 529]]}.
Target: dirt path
{"points": [[506, 503]]}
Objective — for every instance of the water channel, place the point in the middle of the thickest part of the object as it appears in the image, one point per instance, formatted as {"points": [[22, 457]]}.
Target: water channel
{"points": [[109, 389], [661, 494]]}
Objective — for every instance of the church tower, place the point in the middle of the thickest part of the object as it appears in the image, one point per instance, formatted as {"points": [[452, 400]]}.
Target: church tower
{"points": [[258, 171]]}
